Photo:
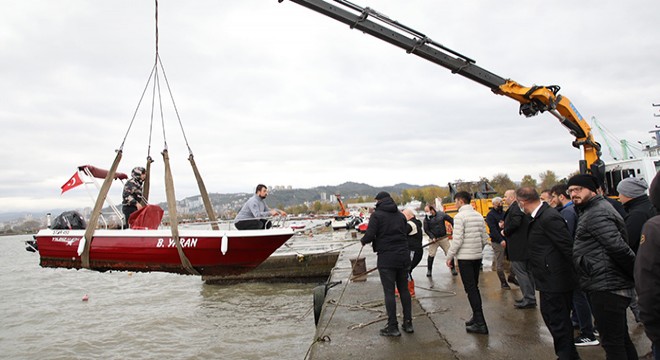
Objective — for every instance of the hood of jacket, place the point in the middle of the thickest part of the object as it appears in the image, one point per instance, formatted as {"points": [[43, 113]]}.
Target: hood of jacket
{"points": [[387, 205]]}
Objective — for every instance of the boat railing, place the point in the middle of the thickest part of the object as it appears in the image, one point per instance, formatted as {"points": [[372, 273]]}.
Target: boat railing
{"points": [[275, 222], [92, 173]]}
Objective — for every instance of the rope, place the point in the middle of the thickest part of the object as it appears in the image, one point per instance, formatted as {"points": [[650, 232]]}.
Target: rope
{"points": [[176, 110], [162, 118], [384, 317], [325, 338], [146, 86], [156, 16]]}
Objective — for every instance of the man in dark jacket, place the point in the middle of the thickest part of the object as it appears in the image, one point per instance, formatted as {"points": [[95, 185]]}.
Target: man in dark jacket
{"points": [[605, 265], [581, 308], [434, 227], [647, 272], [551, 259], [632, 193], [495, 222], [387, 233], [515, 232]]}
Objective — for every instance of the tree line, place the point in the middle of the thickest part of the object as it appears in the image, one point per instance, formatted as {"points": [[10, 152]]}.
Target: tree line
{"points": [[500, 183]]}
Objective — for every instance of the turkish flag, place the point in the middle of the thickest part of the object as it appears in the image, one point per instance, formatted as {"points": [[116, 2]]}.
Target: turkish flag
{"points": [[73, 182]]}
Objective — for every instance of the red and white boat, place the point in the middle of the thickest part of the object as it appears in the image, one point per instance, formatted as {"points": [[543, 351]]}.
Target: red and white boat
{"points": [[152, 248], [210, 252]]}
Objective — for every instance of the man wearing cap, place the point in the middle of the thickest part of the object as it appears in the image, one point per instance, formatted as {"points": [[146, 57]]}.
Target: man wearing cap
{"points": [[132, 199], [581, 308], [632, 193], [647, 272], [387, 233], [604, 262]]}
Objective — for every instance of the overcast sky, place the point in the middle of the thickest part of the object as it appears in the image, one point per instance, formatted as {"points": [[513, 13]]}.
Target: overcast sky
{"points": [[275, 93]]}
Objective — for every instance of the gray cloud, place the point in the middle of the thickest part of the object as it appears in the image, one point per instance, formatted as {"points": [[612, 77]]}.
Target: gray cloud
{"points": [[275, 93]]}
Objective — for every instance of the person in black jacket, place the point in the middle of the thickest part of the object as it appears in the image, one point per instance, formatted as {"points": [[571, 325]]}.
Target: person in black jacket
{"points": [[581, 309], [617, 205], [414, 231], [647, 272], [551, 260], [387, 233], [632, 194], [495, 222], [605, 265], [434, 227], [515, 233]]}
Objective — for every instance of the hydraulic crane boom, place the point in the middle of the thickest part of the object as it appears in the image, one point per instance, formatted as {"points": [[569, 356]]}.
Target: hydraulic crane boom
{"points": [[532, 100]]}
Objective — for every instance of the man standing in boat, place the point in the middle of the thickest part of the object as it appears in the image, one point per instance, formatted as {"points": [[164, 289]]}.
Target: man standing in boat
{"points": [[254, 213], [132, 199]]}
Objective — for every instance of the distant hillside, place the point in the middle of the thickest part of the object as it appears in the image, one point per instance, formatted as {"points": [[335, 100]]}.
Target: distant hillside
{"points": [[232, 202], [288, 197], [348, 190]]}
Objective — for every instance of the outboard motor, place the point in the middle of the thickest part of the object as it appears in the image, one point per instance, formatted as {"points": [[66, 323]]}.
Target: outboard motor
{"points": [[32, 245], [69, 220]]}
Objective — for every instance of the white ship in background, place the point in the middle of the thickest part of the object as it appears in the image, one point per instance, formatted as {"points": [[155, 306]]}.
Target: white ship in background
{"points": [[629, 165]]}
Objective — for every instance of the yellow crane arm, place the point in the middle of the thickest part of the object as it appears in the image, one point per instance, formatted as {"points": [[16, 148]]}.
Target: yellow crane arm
{"points": [[537, 99], [532, 100]]}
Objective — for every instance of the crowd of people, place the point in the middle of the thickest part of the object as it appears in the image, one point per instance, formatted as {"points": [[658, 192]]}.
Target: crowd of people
{"points": [[588, 257]]}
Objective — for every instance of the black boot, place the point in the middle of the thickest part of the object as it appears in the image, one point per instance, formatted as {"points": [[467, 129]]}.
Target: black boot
{"points": [[390, 331], [470, 322], [407, 326], [505, 285], [479, 326], [429, 267]]}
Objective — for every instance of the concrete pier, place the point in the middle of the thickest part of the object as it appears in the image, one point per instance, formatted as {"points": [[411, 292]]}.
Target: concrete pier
{"points": [[440, 309]]}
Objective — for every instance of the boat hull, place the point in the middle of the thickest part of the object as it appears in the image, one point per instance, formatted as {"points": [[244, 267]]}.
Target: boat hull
{"points": [[309, 267], [154, 250]]}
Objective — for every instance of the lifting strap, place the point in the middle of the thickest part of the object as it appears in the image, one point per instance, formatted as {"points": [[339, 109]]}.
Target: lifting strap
{"points": [[204, 194], [96, 213], [171, 206], [147, 181]]}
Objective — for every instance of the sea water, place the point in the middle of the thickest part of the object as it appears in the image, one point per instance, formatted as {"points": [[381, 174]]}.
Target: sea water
{"points": [[83, 314]]}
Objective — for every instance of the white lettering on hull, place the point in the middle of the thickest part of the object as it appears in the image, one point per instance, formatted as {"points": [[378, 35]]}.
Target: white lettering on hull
{"points": [[185, 243], [68, 240]]}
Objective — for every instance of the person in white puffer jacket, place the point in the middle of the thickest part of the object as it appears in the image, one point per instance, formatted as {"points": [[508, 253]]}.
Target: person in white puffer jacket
{"points": [[470, 237]]}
